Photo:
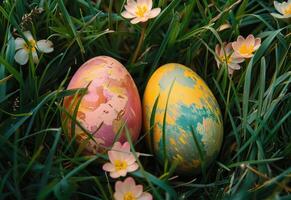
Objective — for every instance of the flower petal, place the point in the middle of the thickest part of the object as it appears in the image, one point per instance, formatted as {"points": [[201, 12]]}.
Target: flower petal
{"points": [[28, 35], [118, 186], [109, 167], [131, 8], [118, 196], [122, 172], [120, 189], [230, 71], [278, 16], [130, 159], [19, 43], [135, 20], [250, 40], [257, 43], [137, 190], [45, 46], [149, 4], [217, 62], [144, 19], [132, 168], [35, 57], [145, 196], [141, 2], [112, 156], [237, 59], [117, 146], [124, 156], [240, 39], [127, 185], [130, 182], [154, 12], [131, 3], [125, 147], [234, 66], [247, 55], [228, 49], [235, 46], [21, 57], [114, 174], [278, 7], [127, 15]]}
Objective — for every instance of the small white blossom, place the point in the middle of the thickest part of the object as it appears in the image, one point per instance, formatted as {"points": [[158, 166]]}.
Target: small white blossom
{"points": [[245, 47], [140, 11], [23, 48], [226, 55], [128, 190], [121, 160], [283, 8]]}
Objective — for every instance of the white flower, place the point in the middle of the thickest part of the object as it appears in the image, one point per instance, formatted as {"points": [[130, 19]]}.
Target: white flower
{"points": [[226, 55], [283, 8], [121, 160], [23, 49], [128, 190], [245, 47], [140, 11]]}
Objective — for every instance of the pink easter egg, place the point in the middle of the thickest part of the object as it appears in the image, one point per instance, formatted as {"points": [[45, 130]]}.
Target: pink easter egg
{"points": [[110, 104]]}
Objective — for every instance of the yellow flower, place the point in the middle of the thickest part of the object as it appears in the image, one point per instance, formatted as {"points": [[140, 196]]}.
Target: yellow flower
{"points": [[23, 49], [128, 190], [283, 8], [246, 47], [121, 160], [140, 11], [225, 55]]}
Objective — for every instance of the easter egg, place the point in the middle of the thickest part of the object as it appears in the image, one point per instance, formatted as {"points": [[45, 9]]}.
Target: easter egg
{"points": [[182, 118], [110, 106]]}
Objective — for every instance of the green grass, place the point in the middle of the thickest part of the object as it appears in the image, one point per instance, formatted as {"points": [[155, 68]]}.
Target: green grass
{"points": [[38, 161]]}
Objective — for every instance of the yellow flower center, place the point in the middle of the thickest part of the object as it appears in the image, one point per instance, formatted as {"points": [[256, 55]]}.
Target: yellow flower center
{"points": [[120, 165], [141, 10], [129, 196], [287, 11], [246, 49], [226, 59], [30, 46]]}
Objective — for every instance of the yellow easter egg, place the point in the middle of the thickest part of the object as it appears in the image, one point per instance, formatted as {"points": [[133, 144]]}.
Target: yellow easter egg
{"points": [[186, 125]]}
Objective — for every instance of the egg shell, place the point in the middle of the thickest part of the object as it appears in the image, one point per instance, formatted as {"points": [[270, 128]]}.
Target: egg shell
{"points": [[192, 108], [111, 102]]}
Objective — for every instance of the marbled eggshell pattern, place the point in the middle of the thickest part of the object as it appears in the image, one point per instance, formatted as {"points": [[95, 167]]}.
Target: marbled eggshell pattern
{"points": [[190, 104], [111, 100]]}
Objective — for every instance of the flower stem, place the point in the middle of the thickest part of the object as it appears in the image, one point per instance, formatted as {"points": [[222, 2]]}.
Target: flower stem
{"points": [[227, 100], [141, 39]]}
